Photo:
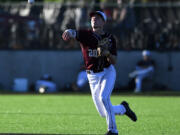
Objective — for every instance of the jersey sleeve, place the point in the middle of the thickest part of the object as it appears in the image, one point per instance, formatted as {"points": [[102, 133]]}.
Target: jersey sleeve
{"points": [[113, 48], [81, 35]]}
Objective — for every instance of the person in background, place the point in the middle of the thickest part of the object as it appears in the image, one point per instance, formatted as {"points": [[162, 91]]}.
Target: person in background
{"points": [[144, 69], [81, 81], [45, 84], [124, 17]]}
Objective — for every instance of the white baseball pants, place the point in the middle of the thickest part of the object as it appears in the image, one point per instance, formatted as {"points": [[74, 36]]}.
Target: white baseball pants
{"points": [[101, 85]]}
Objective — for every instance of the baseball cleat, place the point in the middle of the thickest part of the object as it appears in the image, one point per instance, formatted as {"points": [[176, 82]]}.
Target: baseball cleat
{"points": [[110, 133], [129, 112]]}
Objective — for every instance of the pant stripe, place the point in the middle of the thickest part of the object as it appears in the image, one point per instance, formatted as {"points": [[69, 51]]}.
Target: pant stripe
{"points": [[110, 104]]}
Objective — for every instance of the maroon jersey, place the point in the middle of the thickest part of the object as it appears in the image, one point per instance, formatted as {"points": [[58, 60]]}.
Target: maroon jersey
{"points": [[89, 43]]}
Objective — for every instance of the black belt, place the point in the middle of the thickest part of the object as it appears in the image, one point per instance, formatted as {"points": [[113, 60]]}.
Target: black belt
{"points": [[94, 71]]}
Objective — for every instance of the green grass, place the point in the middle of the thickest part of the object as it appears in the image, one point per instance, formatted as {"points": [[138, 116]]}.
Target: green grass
{"points": [[74, 114]]}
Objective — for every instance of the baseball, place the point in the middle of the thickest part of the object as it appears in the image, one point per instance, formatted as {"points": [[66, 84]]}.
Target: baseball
{"points": [[30, 1]]}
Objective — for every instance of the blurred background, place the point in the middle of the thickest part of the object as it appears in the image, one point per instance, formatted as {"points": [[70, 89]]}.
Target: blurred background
{"points": [[34, 58]]}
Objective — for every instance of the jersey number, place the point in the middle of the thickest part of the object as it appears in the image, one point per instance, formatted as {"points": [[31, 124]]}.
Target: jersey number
{"points": [[92, 53]]}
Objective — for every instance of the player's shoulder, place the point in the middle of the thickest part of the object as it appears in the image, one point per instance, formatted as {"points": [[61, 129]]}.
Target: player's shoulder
{"points": [[84, 31], [82, 34], [109, 35]]}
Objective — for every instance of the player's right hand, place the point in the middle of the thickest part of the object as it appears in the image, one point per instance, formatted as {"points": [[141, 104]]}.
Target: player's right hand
{"points": [[66, 35]]}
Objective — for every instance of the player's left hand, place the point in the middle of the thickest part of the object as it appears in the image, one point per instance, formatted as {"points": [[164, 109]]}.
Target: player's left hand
{"points": [[103, 51]]}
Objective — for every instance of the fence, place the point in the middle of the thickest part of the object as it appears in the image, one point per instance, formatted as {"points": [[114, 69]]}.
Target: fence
{"points": [[138, 26]]}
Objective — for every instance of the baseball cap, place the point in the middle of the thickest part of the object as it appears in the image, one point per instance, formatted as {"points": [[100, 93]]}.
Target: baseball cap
{"points": [[102, 14], [146, 53]]}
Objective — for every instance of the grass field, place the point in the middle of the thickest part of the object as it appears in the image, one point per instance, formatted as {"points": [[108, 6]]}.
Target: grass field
{"points": [[76, 114]]}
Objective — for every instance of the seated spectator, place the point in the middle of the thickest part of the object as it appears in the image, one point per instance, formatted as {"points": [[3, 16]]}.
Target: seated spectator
{"points": [[45, 84], [144, 69]]}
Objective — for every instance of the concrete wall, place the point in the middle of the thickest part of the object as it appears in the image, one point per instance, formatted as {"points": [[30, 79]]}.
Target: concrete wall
{"points": [[163, 75], [64, 65]]}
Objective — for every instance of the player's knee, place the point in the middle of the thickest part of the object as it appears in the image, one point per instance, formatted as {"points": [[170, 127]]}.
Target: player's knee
{"points": [[104, 99], [95, 96]]}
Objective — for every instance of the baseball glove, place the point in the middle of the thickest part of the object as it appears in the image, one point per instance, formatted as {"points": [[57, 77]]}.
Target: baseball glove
{"points": [[102, 48], [102, 51]]}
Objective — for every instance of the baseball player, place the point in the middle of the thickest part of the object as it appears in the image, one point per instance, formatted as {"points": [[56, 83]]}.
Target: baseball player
{"points": [[99, 53], [144, 69]]}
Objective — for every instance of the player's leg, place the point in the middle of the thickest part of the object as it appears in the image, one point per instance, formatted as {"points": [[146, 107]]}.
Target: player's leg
{"points": [[138, 81], [94, 83], [107, 85], [119, 109]]}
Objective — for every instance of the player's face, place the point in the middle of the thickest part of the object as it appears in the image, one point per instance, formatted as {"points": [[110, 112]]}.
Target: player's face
{"points": [[97, 22], [145, 57]]}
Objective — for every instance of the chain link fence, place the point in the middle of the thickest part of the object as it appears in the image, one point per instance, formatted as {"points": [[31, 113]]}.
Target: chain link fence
{"points": [[135, 26]]}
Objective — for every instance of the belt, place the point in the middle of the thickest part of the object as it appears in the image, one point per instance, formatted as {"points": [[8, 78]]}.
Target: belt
{"points": [[93, 71]]}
